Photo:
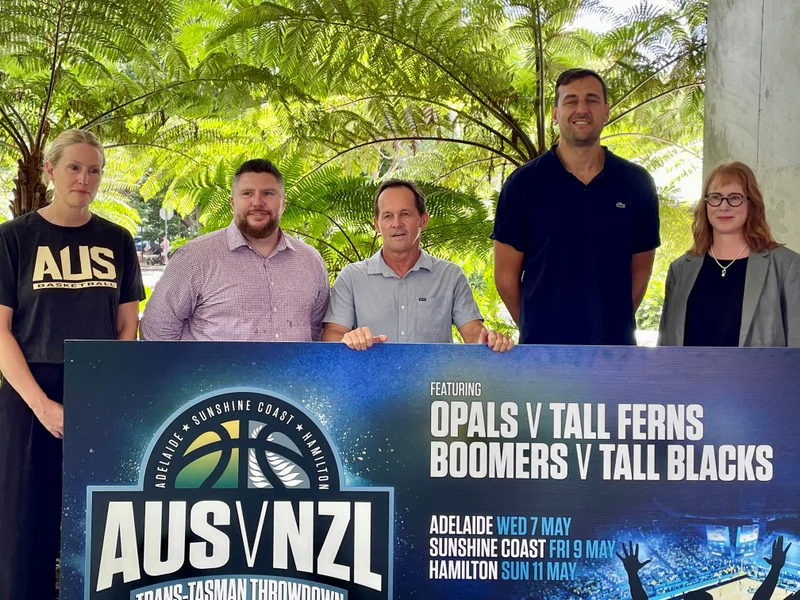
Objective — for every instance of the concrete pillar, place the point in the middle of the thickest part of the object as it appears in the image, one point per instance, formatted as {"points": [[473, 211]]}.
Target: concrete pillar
{"points": [[752, 110]]}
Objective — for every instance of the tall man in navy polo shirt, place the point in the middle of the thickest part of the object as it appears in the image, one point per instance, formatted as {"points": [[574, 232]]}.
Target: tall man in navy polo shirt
{"points": [[576, 230]]}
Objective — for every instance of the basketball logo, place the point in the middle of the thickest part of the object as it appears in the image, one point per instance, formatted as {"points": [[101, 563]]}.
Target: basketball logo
{"points": [[248, 478], [242, 440], [288, 472]]}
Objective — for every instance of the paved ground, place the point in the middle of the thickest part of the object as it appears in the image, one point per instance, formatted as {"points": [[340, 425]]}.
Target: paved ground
{"points": [[151, 274]]}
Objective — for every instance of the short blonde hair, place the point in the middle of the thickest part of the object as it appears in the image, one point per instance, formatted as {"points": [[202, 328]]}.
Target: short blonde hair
{"points": [[69, 137], [756, 229]]}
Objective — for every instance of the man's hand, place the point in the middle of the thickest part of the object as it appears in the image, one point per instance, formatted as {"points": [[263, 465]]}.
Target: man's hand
{"points": [[630, 558], [362, 338], [51, 416], [498, 342], [778, 554]]}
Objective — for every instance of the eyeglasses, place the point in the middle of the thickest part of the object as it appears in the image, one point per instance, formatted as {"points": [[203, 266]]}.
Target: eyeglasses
{"points": [[733, 200]]}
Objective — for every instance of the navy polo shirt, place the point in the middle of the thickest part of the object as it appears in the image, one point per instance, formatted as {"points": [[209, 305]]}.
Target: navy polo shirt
{"points": [[578, 242]]}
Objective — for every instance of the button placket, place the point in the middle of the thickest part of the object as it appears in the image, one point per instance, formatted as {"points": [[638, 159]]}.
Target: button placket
{"points": [[270, 308], [402, 317]]}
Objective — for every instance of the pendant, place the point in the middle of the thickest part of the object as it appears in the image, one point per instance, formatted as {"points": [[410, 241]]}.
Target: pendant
{"points": [[723, 272]]}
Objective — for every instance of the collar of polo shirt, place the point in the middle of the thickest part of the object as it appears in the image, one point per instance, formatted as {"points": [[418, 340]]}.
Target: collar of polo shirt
{"points": [[377, 266], [610, 164]]}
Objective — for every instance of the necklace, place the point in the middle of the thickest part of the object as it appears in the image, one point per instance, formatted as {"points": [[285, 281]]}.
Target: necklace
{"points": [[726, 267]]}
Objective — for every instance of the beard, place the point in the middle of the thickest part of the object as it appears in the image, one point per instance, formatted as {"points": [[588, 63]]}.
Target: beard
{"points": [[582, 140], [256, 233]]}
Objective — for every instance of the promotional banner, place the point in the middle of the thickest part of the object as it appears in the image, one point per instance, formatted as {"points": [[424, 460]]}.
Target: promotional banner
{"points": [[244, 471]]}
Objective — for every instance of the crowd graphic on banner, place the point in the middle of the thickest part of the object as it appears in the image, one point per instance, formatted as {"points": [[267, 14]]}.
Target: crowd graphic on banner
{"points": [[210, 291], [721, 571]]}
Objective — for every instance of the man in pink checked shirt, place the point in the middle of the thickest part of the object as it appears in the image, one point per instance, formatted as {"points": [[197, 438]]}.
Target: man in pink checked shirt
{"points": [[248, 282]]}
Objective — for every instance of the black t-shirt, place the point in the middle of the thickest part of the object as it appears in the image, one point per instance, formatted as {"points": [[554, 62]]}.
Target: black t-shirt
{"points": [[714, 307], [578, 242], [65, 282]]}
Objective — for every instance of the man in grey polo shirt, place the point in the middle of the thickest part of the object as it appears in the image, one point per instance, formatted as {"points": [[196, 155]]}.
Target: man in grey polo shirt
{"points": [[401, 293]]}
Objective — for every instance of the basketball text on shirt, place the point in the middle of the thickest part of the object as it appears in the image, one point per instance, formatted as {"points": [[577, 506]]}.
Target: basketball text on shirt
{"points": [[74, 268]]}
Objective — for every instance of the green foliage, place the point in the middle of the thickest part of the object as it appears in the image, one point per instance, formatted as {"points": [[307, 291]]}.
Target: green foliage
{"points": [[495, 315], [478, 76], [117, 211], [151, 228], [342, 94], [130, 71], [676, 238]]}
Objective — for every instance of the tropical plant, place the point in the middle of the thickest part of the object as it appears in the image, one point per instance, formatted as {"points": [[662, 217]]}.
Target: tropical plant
{"points": [[133, 72], [333, 211], [151, 228], [676, 238], [340, 93], [476, 76]]}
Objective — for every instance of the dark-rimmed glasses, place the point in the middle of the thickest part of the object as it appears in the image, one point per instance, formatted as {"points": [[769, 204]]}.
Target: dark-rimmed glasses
{"points": [[733, 200]]}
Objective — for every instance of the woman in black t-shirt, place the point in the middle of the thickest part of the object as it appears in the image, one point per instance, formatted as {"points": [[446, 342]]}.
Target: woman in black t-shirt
{"points": [[736, 286], [64, 273]]}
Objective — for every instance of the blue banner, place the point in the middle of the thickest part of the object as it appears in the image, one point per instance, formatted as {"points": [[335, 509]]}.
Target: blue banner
{"points": [[310, 471]]}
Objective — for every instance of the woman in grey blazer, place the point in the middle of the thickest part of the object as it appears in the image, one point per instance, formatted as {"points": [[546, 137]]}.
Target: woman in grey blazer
{"points": [[736, 286]]}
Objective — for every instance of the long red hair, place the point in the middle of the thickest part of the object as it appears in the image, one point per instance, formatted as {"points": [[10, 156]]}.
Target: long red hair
{"points": [[756, 229]]}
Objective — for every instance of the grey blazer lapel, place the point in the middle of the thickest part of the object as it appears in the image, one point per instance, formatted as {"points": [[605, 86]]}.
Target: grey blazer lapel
{"points": [[688, 276], [757, 267]]}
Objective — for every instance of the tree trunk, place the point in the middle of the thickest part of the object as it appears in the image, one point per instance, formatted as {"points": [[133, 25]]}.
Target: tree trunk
{"points": [[29, 192], [540, 85]]}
